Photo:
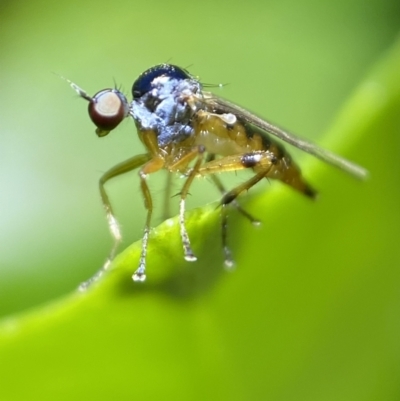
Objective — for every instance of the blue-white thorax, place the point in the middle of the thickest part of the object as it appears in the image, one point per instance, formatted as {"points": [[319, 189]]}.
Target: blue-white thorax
{"points": [[167, 108]]}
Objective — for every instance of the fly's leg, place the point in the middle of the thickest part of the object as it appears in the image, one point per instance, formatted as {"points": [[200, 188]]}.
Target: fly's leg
{"points": [[228, 259], [182, 164], [224, 217], [119, 169], [167, 196], [229, 264], [235, 203], [263, 161], [114, 227], [151, 166], [228, 198]]}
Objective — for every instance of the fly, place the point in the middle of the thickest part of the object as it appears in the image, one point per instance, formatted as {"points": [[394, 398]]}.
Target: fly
{"points": [[195, 133]]}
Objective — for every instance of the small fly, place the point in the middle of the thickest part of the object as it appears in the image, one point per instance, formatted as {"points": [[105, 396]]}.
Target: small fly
{"points": [[195, 133]]}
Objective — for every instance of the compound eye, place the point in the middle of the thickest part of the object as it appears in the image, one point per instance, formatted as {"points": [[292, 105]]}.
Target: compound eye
{"points": [[144, 83], [107, 109]]}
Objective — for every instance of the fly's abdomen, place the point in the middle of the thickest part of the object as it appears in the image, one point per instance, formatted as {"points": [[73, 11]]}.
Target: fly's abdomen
{"points": [[285, 170], [227, 136]]}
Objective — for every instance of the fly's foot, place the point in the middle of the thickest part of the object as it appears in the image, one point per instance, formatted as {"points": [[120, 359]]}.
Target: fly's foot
{"points": [[229, 263], [189, 255], [139, 275]]}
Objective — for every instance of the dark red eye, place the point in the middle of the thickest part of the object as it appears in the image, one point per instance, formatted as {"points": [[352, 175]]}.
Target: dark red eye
{"points": [[107, 109]]}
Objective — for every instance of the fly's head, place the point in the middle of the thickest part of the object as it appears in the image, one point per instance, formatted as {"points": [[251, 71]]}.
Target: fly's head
{"points": [[165, 98], [107, 108]]}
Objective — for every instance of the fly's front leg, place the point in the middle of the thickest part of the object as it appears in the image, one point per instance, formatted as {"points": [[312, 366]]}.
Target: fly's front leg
{"points": [[151, 166], [260, 160], [114, 227], [121, 168]]}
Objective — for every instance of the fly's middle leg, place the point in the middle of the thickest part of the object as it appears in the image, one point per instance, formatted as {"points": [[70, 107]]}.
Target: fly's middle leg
{"points": [[151, 166], [197, 152]]}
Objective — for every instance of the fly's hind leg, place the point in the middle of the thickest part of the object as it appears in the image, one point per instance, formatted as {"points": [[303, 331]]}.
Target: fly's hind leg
{"points": [[263, 161], [228, 260], [113, 225], [217, 182], [228, 198]]}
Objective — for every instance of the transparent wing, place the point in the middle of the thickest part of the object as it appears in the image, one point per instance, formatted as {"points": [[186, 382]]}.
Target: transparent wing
{"points": [[220, 105]]}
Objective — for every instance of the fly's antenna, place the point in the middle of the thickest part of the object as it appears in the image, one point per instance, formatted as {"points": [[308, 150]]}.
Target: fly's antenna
{"points": [[76, 88], [220, 85]]}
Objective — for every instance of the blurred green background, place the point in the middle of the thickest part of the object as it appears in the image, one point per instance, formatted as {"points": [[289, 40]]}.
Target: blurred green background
{"points": [[312, 311]]}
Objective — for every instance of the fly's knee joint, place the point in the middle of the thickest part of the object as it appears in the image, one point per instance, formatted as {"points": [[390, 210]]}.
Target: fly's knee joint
{"points": [[228, 198], [273, 159], [250, 160]]}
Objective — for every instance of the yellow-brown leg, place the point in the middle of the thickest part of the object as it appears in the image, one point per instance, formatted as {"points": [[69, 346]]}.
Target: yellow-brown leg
{"points": [[228, 261], [217, 182], [166, 214], [235, 203], [199, 153], [260, 159], [151, 166], [115, 230]]}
